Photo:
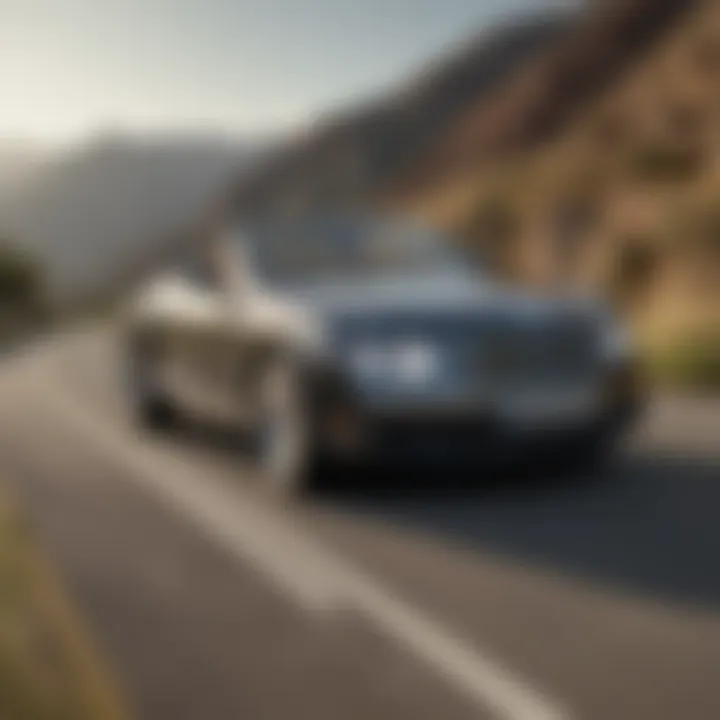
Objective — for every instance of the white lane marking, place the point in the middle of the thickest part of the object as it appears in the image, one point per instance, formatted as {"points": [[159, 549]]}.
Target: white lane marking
{"points": [[279, 551], [313, 576]]}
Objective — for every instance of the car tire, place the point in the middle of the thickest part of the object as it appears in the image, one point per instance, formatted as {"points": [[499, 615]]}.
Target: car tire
{"points": [[285, 447], [592, 455], [156, 415], [152, 410]]}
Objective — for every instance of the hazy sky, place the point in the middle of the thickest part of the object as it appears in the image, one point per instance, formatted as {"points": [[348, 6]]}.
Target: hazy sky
{"points": [[70, 67]]}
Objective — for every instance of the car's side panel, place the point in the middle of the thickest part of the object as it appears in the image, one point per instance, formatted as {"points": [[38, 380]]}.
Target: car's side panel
{"points": [[177, 331], [210, 345]]}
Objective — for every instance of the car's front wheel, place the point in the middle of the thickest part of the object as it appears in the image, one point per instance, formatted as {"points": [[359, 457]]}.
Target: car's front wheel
{"points": [[592, 454], [285, 442], [152, 410]]}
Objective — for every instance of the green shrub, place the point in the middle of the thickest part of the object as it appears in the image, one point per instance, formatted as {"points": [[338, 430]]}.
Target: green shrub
{"points": [[20, 277], [23, 301], [692, 361]]}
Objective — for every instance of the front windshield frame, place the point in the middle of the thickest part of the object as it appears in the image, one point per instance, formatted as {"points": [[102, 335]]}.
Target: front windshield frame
{"points": [[345, 248]]}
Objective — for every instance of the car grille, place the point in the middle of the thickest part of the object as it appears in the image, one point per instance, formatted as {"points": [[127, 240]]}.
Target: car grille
{"points": [[492, 351], [555, 351]]}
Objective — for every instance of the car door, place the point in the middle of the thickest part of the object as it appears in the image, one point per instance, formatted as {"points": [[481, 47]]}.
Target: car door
{"points": [[201, 345], [222, 354]]}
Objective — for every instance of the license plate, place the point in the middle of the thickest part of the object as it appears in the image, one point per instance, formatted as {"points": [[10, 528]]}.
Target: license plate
{"points": [[555, 408]]}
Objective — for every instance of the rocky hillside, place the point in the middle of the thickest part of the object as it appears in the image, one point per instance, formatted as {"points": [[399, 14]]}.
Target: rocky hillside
{"points": [[542, 99], [351, 157], [598, 164]]}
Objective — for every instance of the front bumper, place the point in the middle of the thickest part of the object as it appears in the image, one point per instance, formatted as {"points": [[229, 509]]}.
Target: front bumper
{"points": [[351, 431], [430, 439]]}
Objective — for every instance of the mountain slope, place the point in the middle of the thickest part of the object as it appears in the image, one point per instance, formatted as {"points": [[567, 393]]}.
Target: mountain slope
{"points": [[539, 101], [621, 192], [96, 212], [349, 157], [20, 163]]}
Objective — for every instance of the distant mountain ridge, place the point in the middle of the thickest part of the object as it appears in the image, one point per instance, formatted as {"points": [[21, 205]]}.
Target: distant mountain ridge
{"points": [[348, 157], [98, 210], [21, 161], [535, 105], [516, 85], [108, 211]]}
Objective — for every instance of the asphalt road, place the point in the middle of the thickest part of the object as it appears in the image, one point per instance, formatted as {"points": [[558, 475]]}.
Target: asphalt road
{"points": [[526, 597]]}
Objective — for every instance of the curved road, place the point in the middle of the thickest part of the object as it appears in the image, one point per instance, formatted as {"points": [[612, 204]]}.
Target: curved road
{"points": [[520, 598]]}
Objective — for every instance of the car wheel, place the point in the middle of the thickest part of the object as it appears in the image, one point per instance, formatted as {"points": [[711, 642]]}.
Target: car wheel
{"points": [[152, 410], [285, 445], [157, 415], [592, 455]]}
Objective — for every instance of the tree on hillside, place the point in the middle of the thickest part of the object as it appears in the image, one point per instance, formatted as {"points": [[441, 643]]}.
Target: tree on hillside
{"points": [[22, 290]]}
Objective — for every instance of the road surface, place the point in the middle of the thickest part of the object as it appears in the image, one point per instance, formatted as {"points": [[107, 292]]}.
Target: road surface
{"points": [[518, 598]]}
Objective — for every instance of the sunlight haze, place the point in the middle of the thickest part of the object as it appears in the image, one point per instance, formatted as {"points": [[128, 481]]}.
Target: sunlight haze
{"points": [[70, 68]]}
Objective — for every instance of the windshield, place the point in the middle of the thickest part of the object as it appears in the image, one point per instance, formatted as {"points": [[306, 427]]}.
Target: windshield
{"points": [[341, 247]]}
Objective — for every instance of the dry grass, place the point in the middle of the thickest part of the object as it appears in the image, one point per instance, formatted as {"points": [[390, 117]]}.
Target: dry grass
{"points": [[689, 361], [48, 670]]}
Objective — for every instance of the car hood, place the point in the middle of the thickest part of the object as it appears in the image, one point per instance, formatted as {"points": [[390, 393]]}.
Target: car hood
{"points": [[441, 294]]}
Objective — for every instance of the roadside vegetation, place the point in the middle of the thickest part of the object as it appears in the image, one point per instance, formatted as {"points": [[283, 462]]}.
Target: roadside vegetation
{"points": [[24, 304], [688, 362], [48, 670]]}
